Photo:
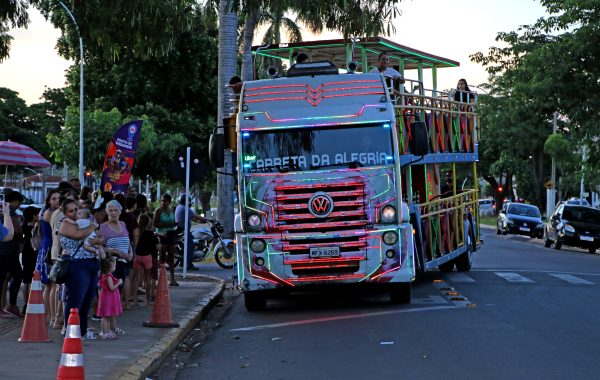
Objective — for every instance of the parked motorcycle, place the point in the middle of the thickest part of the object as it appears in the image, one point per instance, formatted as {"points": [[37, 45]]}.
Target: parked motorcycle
{"points": [[204, 240]]}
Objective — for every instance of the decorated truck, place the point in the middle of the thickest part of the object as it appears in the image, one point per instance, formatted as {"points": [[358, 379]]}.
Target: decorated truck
{"points": [[338, 172]]}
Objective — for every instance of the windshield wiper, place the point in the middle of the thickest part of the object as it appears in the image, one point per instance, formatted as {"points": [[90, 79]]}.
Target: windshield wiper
{"points": [[349, 164]]}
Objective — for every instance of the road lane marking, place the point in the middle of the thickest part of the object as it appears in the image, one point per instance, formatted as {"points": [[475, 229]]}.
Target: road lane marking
{"points": [[513, 277], [459, 277], [343, 317], [571, 279]]}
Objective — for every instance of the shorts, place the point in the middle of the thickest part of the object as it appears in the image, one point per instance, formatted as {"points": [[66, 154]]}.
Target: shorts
{"points": [[142, 262], [122, 270], [168, 238]]}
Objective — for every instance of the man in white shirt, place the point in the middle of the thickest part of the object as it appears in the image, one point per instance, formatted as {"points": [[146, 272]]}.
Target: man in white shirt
{"points": [[390, 72]]}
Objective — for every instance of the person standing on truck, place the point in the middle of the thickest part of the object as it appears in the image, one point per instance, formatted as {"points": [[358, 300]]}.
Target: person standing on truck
{"points": [[447, 188], [463, 92], [385, 70]]}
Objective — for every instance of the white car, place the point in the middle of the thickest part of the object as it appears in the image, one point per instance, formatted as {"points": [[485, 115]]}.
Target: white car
{"points": [[487, 207]]}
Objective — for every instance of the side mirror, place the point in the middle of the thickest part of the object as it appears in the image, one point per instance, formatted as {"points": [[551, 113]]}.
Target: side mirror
{"points": [[216, 150], [419, 145]]}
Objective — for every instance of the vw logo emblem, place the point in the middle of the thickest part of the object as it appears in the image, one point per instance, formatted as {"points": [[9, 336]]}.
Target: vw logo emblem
{"points": [[320, 204]]}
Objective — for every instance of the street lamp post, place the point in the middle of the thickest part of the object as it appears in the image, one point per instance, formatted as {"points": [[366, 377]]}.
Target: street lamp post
{"points": [[81, 177]]}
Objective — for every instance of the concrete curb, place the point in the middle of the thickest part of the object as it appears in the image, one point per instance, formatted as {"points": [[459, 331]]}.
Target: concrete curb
{"points": [[152, 359]]}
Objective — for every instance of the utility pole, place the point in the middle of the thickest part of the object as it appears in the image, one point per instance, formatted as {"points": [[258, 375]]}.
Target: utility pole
{"points": [[551, 193]]}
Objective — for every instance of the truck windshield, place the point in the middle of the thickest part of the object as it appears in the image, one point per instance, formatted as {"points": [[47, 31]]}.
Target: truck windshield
{"points": [[311, 149]]}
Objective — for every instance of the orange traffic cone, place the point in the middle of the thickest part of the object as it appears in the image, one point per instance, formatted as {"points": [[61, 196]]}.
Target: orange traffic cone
{"points": [[34, 328], [161, 310], [71, 360]]}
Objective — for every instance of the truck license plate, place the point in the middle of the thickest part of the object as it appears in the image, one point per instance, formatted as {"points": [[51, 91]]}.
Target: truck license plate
{"points": [[324, 252], [587, 238]]}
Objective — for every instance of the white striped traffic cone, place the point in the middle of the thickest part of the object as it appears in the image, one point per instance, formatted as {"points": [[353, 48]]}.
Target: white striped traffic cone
{"points": [[71, 360], [34, 328]]}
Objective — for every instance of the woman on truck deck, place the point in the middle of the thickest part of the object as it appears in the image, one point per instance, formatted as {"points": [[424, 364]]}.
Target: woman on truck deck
{"points": [[463, 92]]}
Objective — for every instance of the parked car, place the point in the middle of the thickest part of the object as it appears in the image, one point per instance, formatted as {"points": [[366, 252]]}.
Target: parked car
{"points": [[574, 201], [573, 225], [487, 207], [520, 219]]}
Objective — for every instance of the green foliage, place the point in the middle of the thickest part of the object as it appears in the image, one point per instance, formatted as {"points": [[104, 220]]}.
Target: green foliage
{"points": [[13, 14], [112, 28], [551, 65]]}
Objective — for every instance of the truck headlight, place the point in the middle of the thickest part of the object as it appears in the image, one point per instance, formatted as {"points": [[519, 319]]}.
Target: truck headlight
{"points": [[258, 245], [390, 237], [253, 220], [388, 214]]}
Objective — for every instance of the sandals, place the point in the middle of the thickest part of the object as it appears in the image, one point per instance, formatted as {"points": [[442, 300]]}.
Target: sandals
{"points": [[119, 331], [108, 335], [90, 335]]}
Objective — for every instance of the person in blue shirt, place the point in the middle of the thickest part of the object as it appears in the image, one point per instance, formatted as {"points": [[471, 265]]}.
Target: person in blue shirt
{"points": [[6, 228], [180, 220]]}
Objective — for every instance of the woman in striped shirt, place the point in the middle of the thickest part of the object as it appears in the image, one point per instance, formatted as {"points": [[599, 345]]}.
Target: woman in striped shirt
{"points": [[118, 245]]}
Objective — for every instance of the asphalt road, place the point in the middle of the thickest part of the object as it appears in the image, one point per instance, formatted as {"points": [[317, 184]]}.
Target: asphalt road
{"points": [[522, 312]]}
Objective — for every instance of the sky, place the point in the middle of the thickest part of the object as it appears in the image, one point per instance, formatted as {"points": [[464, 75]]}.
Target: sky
{"points": [[451, 29]]}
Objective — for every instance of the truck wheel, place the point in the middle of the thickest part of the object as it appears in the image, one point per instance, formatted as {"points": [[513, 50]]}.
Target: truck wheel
{"points": [[254, 301], [400, 293], [465, 260], [447, 266]]}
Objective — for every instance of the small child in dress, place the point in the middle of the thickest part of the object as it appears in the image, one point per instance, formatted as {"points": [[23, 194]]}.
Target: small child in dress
{"points": [[109, 304]]}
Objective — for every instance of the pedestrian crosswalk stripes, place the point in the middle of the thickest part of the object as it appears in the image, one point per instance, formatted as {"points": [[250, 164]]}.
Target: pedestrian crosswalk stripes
{"points": [[514, 277], [571, 279]]}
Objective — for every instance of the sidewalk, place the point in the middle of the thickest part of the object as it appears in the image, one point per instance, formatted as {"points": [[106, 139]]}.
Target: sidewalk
{"points": [[132, 356]]}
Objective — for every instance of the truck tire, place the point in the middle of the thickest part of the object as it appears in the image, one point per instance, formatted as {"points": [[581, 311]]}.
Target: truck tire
{"points": [[254, 301], [401, 293], [465, 260]]}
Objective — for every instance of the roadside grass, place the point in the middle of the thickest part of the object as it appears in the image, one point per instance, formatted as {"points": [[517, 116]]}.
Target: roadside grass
{"points": [[488, 220]]}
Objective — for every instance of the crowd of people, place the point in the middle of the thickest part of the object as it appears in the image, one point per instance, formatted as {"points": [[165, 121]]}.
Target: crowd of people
{"points": [[114, 245]]}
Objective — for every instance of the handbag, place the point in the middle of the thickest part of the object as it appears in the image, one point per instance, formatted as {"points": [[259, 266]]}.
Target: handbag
{"points": [[60, 269]]}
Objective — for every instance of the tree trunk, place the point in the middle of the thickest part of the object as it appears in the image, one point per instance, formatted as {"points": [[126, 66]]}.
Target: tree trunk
{"points": [[247, 58], [227, 69]]}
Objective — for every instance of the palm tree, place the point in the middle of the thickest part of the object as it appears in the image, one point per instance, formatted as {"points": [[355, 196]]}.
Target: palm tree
{"points": [[227, 68]]}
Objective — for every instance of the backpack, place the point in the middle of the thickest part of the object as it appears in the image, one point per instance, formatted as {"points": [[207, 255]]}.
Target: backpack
{"points": [[36, 236]]}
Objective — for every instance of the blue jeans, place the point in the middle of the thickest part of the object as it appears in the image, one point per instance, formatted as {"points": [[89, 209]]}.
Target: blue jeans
{"points": [[81, 284]]}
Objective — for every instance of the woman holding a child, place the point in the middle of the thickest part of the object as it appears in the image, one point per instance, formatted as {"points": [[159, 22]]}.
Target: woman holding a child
{"points": [[118, 244], [82, 278]]}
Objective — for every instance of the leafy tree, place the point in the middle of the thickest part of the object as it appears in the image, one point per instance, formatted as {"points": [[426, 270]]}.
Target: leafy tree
{"points": [[13, 14], [553, 65]]}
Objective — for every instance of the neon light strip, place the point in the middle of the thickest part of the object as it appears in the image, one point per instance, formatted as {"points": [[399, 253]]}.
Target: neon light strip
{"points": [[418, 55], [325, 278], [387, 271], [312, 93], [332, 124], [308, 100], [336, 259], [314, 90], [380, 237], [259, 201], [359, 113]]}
